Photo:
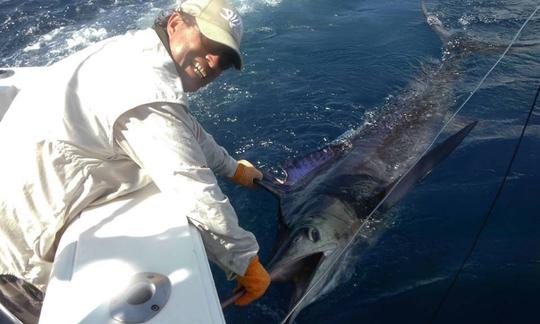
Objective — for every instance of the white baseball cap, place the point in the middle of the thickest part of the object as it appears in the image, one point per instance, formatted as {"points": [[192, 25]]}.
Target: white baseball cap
{"points": [[219, 21]]}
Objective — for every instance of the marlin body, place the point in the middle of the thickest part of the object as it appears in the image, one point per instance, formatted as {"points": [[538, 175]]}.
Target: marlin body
{"points": [[329, 195]]}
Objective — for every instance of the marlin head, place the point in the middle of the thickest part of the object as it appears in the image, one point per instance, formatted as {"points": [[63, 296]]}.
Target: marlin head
{"points": [[312, 238], [309, 248]]}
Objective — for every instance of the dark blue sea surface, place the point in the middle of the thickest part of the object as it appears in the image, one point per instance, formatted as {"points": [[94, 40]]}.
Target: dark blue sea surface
{"points": [[316, 69]]}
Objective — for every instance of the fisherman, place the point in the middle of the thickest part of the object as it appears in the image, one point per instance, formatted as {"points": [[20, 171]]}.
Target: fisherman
{"points": [[109, 120]]}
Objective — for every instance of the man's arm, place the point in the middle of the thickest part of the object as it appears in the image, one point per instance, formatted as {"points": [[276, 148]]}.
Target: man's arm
{"points": [[217, 157], [166, 146], [219, 160]]}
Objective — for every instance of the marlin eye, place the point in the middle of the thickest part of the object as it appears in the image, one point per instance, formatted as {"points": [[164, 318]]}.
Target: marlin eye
{"points": [[313, 235]]}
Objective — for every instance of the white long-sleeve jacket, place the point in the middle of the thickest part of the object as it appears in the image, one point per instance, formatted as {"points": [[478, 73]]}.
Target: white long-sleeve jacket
{"points": [[102, 123]]}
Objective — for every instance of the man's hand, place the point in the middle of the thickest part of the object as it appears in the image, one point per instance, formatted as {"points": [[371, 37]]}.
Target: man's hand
{"points": [[246, 173], [255, 281]]}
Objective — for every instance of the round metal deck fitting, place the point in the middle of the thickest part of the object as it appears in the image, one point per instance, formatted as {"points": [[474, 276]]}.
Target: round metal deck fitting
{"points": [[145, 296], [6, 73]]}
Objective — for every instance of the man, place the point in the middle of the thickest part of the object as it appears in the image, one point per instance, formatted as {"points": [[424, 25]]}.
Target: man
{"points": [[112, 118]]}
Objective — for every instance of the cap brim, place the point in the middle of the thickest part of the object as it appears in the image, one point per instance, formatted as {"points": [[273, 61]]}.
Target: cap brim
{"points": [[219, 35]]}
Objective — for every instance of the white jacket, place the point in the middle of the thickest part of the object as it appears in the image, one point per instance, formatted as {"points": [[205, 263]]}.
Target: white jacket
{"points": [[102, 123]]}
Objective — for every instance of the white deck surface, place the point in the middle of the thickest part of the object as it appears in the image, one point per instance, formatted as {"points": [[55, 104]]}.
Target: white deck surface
{"points": [[101, 251]]}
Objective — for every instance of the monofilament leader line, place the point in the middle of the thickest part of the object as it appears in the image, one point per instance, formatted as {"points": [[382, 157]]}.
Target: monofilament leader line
{"points": [[413, 165]]}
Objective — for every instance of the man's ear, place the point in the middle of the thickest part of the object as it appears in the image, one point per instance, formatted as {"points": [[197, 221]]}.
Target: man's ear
{"points": [[175, 22]]}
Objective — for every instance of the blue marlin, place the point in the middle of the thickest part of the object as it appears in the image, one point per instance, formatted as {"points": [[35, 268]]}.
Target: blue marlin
{"points": [[326, 196]]}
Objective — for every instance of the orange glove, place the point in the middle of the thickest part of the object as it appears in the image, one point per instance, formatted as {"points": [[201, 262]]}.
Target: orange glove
{"points": [[245, 173], [255, 281]]}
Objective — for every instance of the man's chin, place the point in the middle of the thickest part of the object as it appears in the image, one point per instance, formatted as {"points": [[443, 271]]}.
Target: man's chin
{"points": [[191, 85], [190, 89]]}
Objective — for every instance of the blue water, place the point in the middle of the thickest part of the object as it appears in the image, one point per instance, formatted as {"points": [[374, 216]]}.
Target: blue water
{"points": [[315, 69]]}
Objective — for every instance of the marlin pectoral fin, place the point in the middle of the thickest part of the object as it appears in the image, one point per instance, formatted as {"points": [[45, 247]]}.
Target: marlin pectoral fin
{"points": [[278, 190], [283, 234], [424, 166]]}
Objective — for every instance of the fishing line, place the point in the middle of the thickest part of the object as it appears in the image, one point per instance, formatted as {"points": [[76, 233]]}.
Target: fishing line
{"points": [[491, 208], [370, 216]]}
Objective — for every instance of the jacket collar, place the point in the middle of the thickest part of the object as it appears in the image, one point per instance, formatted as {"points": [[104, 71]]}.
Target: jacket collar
{"points": [[164, 37]]}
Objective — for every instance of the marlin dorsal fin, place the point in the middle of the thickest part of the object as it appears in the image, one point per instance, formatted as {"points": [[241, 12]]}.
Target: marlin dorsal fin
{"points": [[272, 185], [301, 167], [425, 165]]}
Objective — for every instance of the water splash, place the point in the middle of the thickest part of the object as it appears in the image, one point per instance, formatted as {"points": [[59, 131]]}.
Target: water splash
{"points": [[251, 6]]}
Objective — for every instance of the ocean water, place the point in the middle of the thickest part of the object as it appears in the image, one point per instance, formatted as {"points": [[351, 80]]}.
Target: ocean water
{"points": [[316, 69]]}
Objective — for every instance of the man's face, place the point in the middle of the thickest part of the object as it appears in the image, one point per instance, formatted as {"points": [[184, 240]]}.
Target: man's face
{"points": [[199, 63]]}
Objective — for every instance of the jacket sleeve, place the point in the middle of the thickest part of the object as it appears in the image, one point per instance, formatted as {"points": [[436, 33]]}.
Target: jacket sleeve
{"points": [[179, 157], [217, 157]]}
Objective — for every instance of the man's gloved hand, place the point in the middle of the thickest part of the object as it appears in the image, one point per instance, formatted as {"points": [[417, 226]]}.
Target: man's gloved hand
{"points": [[255, 281], [245, 173]]}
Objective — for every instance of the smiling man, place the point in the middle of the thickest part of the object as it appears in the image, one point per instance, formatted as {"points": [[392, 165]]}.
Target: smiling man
{"points": [[109, 120], [204, 41]]}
